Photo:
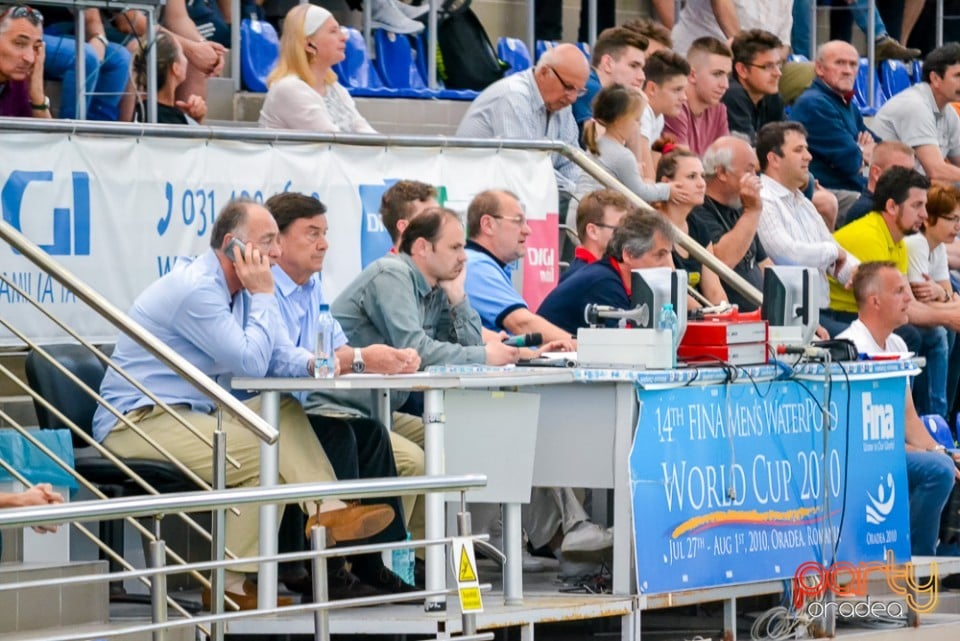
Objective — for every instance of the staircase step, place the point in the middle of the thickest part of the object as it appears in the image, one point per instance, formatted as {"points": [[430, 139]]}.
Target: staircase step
{"points": [[53, 605]]}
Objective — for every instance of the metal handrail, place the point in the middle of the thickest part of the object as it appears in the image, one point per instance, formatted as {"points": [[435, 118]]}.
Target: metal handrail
{"points": [[160, 350], [244, 134]]}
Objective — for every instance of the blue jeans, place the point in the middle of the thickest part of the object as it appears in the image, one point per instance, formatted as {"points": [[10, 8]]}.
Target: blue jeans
{"points": [[930, 478], [930, 387], [800, 34], [105, 83]]}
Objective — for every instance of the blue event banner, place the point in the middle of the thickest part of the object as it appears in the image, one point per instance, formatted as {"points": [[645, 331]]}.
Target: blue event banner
{"points": [[739, 483]]}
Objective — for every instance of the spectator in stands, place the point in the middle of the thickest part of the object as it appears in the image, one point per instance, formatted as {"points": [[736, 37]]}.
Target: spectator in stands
{"points": [[394, 15], [643, 239], [665, 90], [205, 57], [883, 297], [727, 19], [598, 217], [535, 104], [357, 445], [922, 117], [196, 309], [684, 168], [304, 92], [899, 209], [730, 214], [703, 116], [171, 72], [928, 272], [107, 64], [886, 154], [617, 58], [616, 114], [548, 18], [657, 35], [401, 202], [21, 63], [753, 98], [887, 47], [841, 144], [497, 232], [791, 230]]}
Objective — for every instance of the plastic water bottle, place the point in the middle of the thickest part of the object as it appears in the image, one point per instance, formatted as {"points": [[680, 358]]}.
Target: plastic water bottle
{"points": [[403, 561], [668, 322], [323, 363]]}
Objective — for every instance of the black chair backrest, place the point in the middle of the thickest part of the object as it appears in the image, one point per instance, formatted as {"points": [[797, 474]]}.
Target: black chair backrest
{"points": [[54, 386]]}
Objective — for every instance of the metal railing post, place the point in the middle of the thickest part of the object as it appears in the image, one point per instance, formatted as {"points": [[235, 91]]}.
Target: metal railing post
{"points": [[592, 22], [871, 52], [813, 29], [433, 423], [432, 45], [158, 584], [151, 66], [939, 22], [269, 454], [321, 594], [465, 528], [235, 44], [81, 65], [532, 30], [218, 527]]}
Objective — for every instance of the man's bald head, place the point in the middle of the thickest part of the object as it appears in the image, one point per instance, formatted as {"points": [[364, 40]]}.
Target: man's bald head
{"points": [[836, 65], [561, 75]]}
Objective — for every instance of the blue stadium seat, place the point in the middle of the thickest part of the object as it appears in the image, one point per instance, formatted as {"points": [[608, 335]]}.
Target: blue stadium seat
{"points": [[259, 52], [797, 57], [860, 94], [585, 48], [395, 62], [543, 45], [355, 71], [939, 429], [894, 78], [441, 92], [916, 72], [513, 51]]}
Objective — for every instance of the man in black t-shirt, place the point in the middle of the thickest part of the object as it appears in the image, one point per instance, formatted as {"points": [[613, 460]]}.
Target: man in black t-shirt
{"points": [[730, 213]]}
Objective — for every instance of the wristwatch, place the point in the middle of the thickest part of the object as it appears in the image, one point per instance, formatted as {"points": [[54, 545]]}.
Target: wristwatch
{"points": [[358, 365], [43, 106]]}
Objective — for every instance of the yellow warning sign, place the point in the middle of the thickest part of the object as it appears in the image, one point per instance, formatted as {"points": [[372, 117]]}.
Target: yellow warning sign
{"points": [[470, 600], [466, 569]]}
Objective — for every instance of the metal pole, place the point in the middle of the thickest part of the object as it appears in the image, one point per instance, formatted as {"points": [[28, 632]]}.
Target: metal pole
{"points": [[432, 45], [813, 29], [465, 528], [381, 405], [939, 23], [513, 566], [368, 29], [871, 52], [158, 587], [218, 528], [267, 582], [433, 421], [81, 65], [151, 66], [321, 618], [235, 44], [592, 22], [532, 29]]}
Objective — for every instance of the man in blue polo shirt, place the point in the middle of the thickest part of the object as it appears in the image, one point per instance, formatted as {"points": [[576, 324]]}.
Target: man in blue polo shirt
{"points": [[497, 233]]}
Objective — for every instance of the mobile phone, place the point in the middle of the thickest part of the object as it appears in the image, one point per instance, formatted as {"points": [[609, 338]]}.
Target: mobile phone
{"points": [[235, 242]]}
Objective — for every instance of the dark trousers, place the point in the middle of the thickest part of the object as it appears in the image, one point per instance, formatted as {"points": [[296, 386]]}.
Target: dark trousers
{"points": [[548, 18], [358, 448]]}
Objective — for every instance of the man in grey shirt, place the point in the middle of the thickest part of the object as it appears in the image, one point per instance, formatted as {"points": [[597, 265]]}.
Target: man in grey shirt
{"points": [[922, 117], [535, 104]]}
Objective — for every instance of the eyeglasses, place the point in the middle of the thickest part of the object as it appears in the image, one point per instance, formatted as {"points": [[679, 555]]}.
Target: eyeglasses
{"points": [[606, 226], [23, 11], [518, 219], [769, 67], [950, 219], [567, 86]]}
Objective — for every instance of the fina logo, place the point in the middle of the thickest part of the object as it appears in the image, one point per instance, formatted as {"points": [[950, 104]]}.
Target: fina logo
{"points": [[877, 420], [71, 234], [879, 508]]}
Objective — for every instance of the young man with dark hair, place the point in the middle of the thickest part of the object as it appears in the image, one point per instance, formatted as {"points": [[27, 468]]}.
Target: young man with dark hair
{"points": [[401, 202], [618, 58], [22, 91], [923, 118], [703, 117], [657, 35], [665, 89], [753, 98], [598, 217]]}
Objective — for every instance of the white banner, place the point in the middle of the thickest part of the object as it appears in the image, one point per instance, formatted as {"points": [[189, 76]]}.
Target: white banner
{"points": [[117, 211]]}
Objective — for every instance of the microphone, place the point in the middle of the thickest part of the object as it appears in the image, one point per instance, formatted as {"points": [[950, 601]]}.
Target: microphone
{"points": [[807, 351], [524, 340]]}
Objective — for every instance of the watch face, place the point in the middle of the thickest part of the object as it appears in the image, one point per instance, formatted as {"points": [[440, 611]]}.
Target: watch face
{"points": [[358, 367]]}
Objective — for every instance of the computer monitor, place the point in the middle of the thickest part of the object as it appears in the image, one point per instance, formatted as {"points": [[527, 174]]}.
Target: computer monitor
{"points": [[790, 299], [655, 286]]}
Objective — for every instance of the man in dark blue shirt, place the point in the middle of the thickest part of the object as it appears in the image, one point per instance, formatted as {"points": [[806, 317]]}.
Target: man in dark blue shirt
{"points": [[642, 240]]}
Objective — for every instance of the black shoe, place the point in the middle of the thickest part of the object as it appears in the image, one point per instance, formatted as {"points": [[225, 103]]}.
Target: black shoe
{"points": [[950, 582], [420, 574], [384, 579], [299, 580], [343, 584]]}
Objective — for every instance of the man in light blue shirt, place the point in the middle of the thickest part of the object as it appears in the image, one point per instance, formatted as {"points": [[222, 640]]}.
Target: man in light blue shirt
{"points": [[219, 313], [359, 447]]}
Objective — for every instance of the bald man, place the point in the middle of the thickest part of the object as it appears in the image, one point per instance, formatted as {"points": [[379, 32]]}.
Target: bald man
{"points": [[535, 104], [841, 144]]}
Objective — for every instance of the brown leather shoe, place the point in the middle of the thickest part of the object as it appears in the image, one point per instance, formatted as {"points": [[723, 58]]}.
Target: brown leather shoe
{"points": [[246, 601], [352, 522]]}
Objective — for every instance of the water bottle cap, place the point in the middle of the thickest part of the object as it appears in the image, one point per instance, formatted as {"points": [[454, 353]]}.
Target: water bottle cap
{"points": [[668, 306], [324, 307]]}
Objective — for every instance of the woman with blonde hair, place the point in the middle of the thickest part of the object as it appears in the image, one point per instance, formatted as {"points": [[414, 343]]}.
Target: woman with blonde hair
{"points": [[304, 93], [682, 168]]}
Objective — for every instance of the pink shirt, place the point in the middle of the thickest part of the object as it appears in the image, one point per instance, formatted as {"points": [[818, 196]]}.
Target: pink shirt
{"points": [[698, 132]]}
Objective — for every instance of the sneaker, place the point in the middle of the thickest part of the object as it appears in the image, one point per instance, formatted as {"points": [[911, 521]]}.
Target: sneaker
{"points": [[586, 539], [572, 571], [387, 16], [413, 11], [889, 49]]}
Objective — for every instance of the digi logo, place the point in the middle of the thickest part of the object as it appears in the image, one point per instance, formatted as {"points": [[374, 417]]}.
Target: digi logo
{"points": [[375, 241], [71, 232]]}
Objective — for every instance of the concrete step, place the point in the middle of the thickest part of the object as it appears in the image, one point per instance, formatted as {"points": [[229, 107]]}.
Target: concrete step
{"points": [[220, 98], [55, 605]]}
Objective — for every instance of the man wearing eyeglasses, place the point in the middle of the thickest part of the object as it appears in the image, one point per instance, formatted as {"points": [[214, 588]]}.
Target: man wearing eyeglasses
{"points": [[753, 98], [21, 63], [534, 105], [598, 216]]}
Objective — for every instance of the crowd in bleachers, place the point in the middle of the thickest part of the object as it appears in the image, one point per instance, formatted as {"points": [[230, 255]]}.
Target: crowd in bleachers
{"points": [[760, 157]]}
